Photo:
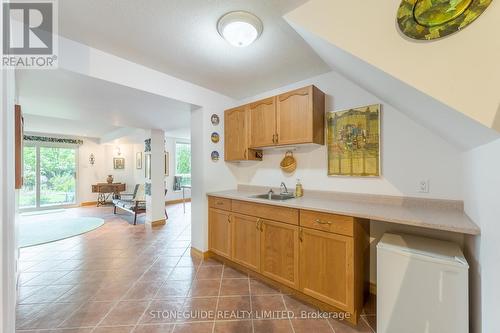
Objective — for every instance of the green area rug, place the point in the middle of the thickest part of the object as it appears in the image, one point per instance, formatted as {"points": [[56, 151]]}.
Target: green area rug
{"points": [[43, 212], [53, 229]]}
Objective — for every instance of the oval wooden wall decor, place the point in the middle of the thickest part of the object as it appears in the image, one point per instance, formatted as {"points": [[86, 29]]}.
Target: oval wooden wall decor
{"points": [[432, 19]]}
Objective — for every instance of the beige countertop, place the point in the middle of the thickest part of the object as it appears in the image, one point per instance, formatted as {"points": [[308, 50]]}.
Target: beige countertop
{"points": [[426, 213]]}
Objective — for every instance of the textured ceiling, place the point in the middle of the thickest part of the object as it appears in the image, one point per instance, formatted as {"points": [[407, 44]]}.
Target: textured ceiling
{"points": [[179, 38]]}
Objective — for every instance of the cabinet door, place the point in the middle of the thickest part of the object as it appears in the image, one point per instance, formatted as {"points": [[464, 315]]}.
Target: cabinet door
{"points": [[327, 267], [246, 241], [279, 252], [262, 119], [235, 134], [295, 116], [219, 232]]}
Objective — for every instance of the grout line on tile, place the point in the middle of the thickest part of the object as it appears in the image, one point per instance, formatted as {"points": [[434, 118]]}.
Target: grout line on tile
{"points": [[367, 323], [286, 310], [251, 306]]}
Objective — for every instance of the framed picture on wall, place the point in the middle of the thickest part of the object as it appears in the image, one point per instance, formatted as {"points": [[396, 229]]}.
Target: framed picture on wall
{"points": [[138, 160], [166, 164], [354, 142], [147, 166], [119, 163]]}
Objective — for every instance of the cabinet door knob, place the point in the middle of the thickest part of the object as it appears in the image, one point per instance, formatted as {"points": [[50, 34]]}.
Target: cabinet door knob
{"points": [[274, 139], [277, 140], [257, 224], [229, 219], [301, 234]]}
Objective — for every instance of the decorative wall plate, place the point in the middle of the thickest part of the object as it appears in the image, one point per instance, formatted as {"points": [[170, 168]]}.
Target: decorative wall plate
{"points": [[215, 137], [432, 19], [215, 119], [215, 156]]}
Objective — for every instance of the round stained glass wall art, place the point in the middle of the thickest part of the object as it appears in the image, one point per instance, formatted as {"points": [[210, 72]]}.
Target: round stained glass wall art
{"points": [[215, 137], [215, 119], [214, 156], [432, 19]]}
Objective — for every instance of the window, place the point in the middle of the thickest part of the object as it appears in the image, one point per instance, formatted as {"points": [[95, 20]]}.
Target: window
{"points": [[49, 176], [182, 165]]}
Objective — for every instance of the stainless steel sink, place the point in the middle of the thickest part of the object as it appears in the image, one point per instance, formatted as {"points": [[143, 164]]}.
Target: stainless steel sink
{"points": [[278, 197]]}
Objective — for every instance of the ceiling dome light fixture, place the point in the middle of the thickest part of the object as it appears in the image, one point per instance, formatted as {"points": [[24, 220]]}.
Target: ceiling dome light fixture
{"points": [[239, 28]]}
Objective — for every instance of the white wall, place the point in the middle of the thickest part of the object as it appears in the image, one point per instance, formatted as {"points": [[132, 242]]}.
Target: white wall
{"points": [[206, 175], [409, 152], [103, 166], [8, 213], [90, 174], [482, 193]]}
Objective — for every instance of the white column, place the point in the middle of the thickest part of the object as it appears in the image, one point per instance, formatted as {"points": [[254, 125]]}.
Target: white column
{"points": [[9, 216], [155, 197], [199, 162], [206, 175]]}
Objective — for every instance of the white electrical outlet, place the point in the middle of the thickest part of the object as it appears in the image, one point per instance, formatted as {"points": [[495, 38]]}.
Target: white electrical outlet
{"points": [[423, 186]]}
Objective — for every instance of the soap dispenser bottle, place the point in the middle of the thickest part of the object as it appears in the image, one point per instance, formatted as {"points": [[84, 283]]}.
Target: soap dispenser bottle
{"points": [[299, 191]]}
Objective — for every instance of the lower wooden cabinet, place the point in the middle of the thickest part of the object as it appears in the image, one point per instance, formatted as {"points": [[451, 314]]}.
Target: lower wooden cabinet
{"points": [[327, 267], [279, 252], [319, 255], [246, 241], [219, 232]]}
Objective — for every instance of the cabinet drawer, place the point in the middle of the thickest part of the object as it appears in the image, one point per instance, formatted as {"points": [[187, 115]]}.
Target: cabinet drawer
{"points": [[269, 212], [338, 224], [219, 203]]}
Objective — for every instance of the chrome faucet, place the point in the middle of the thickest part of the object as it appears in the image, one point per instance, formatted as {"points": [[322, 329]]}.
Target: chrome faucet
{"points": [[283, 189], [270, 193]]}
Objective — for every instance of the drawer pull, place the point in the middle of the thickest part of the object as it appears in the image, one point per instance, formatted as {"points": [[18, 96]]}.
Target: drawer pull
{"points": [[219, 203], [318, 221]]}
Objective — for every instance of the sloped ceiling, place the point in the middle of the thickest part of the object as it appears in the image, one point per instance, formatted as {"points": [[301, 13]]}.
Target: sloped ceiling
{"points": [[456, 128], [461, 71]]}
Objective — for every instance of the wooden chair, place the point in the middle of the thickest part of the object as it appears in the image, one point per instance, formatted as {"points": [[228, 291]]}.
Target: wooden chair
{"points": [[135, 204]]}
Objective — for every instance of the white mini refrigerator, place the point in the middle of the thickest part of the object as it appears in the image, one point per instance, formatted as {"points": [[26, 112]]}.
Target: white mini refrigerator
{"points": [[422, 286]]}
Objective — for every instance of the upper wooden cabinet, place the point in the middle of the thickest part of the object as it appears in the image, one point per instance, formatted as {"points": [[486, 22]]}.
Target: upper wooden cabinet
{"points": [[300, 116], [262, 120], [295, 117], [236, 136]]}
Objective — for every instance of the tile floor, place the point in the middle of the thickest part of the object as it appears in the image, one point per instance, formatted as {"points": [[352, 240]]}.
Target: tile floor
{"points": [[122, 278]]}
